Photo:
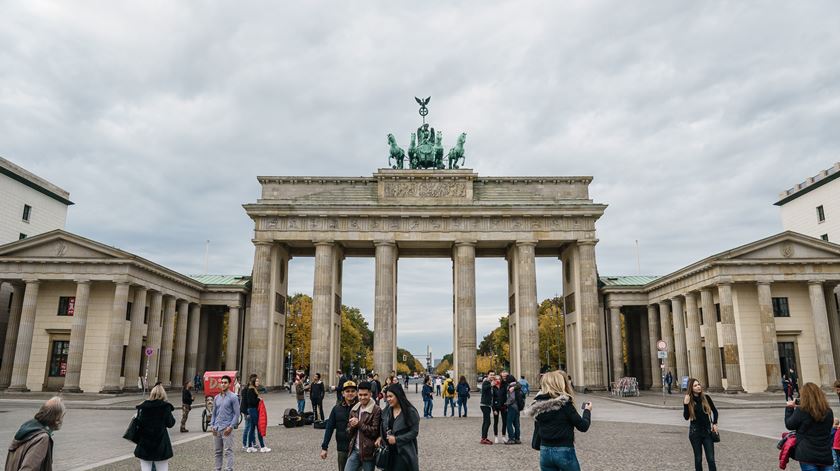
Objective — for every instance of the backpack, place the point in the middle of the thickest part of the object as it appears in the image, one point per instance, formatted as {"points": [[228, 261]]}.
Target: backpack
{"points": [[520, 400], [450, 389]]}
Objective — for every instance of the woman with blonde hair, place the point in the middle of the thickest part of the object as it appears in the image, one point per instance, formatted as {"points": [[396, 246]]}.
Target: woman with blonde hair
{"points": [[153, 445], [812, 419], [555, 421], [700, 411]]}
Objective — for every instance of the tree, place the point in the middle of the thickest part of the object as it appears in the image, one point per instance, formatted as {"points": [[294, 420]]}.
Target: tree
{"points": [[356, 339], [552, 332], [444, 366], [411, 363], [483, 363]]}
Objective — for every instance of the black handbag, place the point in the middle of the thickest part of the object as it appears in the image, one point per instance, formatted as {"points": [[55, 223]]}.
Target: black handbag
{"points": [[132, 433], [715, 437], [381, 459], [535, 439]]}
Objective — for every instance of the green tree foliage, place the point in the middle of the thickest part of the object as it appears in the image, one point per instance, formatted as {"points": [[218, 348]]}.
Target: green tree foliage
{"points": [[444, 366], [411, 363]]}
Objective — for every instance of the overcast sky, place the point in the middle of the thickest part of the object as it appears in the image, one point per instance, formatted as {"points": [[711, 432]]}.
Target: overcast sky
{"points": [[157, 117]]}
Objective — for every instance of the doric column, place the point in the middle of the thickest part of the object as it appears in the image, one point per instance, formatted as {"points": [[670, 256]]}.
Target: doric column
{"points": [[153, 336], [203, 333], [653, 337], [116, 337], [385, 308], [692, 332], [233, 338], [819, 313], [617, 347], [833, 324], [589, 315], [23, 348], [322, 308], [167, 341], [77, 337], [191, 359], [680, 350], [179, 350], [729, 339], [11, 336], [260, 315], [465, 346], [644, 334], [768, 336], [667, 335], [528, 322], [135, 339], [712, 346]]}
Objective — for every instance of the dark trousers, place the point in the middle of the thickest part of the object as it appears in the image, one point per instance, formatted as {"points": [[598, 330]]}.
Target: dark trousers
{"points": [[496, 423], [669, 388], [513, 423], [485, 420], [504, 416], [316, 407], [698, 445]]}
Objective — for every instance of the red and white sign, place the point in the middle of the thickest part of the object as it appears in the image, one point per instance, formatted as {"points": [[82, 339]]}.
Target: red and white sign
{"points": [[661, 345]]}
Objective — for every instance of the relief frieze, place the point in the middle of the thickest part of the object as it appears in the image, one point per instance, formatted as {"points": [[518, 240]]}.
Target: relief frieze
{"points": [[425, 189], [423, 224]]}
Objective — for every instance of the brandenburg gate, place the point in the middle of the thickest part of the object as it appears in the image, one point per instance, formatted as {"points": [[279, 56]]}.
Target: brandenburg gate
{"points": [[426, 210]]}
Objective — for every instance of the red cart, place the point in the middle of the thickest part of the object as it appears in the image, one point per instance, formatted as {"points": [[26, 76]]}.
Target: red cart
{"points": [[211, 388]]}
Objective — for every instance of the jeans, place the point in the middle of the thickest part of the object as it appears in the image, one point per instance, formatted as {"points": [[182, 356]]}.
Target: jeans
{"points": [[318, 406], [815, 467], [223, 447], [448, 401], [513, 423], [251, 428], [427, 407], [159, 465], [485, 421], [301, 406], [698, 444], [558, 458], [355, 463], [437, 390], [462, 402]]}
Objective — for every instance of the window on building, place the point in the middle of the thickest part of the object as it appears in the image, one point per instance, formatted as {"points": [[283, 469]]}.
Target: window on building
{"points": [[58, 357], [722, 364], [21, 236], [824, 237], [128, 311], [700, 312], [820, 213], [27, 211], [66, 305], [717, 311], [122, 365], [780, 307]]}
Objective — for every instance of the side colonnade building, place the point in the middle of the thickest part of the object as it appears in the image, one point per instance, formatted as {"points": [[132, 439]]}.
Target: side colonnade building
{"points": [[736, 321], [84, 316]]}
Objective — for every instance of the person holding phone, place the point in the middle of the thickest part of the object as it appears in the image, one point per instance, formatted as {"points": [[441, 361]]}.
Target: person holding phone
{"points": [[812, 419], [700, 411], [555, 420]]}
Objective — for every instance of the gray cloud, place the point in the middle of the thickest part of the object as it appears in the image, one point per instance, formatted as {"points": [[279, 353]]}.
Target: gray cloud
{"points": [[157, 117]]}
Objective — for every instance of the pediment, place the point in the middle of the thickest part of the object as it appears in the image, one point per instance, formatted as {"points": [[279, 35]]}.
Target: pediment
{"points": [[58, 244], [788, 245]]}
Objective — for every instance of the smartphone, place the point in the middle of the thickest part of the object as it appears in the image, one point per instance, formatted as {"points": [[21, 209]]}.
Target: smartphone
{"points": [[583, 406], [796, 401]]}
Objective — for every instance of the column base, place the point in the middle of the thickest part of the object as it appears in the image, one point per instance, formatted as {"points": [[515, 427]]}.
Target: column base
{"points": [[733, 390], [17, 389], [773, 389], [715, 389], [111, 390], [71, 390], [132, 390]]}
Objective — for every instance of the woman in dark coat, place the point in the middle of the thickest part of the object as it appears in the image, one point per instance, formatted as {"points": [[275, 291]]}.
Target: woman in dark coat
{"points": [[812, 419], [154, 416], [400, 426], [700, 411]]}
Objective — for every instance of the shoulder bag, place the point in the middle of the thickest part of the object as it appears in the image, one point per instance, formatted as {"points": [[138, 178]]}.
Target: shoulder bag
{"points": [[132, 433]]}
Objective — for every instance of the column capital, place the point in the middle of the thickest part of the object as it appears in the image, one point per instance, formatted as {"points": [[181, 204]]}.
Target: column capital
{"points": [[31, 281], [323, 242], [587, 241], [816, 281], [234, 306], [526, 243], [82, 281], [465, 243], [262, 242], [385, 243], [725, 281], [763, 282], [664, 302]]}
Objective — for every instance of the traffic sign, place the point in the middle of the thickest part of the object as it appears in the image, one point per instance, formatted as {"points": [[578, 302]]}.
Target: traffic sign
{"points": [[661, 345], [661, 355], [149, 351]]}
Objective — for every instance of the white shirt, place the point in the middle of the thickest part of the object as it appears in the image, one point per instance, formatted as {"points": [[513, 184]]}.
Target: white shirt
{"points": [[438, 382]]}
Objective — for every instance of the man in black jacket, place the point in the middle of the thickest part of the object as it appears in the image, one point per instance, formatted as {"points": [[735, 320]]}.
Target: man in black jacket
{"points": [[186, 405], [342, 378], [486, 406], [339, 417], [316, 395]]}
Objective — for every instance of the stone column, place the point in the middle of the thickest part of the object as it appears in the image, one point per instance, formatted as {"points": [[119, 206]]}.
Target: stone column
{"points": [[77, 338], [233, 337], [464, 290], [667, 335], [191, 359], [20, 369], [768, 336], [653, 337], [712, 346], [11, 336], [528, 322], [260, 315], [322, 308], [135, 339], [647, 372], [153, 336], [589, 315], [167, 341], [692, 332], [680, 351], [203, 330], [729, 339], [617, 346], [179, 351], [384, 310], [833, 324], [819, 313], [116, 337]]}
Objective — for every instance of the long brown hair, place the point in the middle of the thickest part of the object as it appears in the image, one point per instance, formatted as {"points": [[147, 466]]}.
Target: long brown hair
{"points": [[252, 383], [813, 401], [703, 400]]}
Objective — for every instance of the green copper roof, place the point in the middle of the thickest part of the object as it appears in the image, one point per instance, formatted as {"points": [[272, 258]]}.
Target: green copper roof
{"points": [[233, 280], [632, 280]]}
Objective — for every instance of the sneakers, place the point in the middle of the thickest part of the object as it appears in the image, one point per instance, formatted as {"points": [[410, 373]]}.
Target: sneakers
{"points": [[485, 441], [264, 449], [496, 439], [250, 449]]}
